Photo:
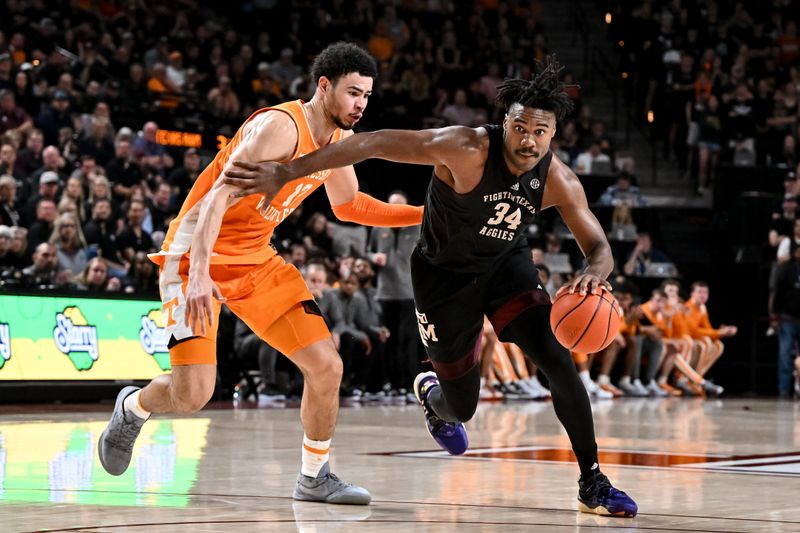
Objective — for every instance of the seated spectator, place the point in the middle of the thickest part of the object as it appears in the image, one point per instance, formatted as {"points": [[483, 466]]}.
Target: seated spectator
{"points": [[122, 170], [9, 215], [97, 143], [100, 232], [789, 243], [593, 161], [29, 158], [54, 117], [100, 189], [459, 113], [52, 161], [7, 258], [318, 239], [13, 118], [222, 101], [74, 192], [643, 256], [19, 247], [43, 274], [133, 238], [183, 177], [143, 276], [42, 227], [47, 190], [8, 158], [356, 345], [95, 278], [149, 153], [70, 244], [623, 193], [622, 226]]}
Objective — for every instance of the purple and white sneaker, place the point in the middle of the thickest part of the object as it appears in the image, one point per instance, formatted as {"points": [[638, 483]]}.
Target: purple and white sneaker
{"points": [[451, 436]]}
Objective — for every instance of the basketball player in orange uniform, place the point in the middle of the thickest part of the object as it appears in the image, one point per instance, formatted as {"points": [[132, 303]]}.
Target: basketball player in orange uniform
{"points": [[218, 250], [700, 329]]}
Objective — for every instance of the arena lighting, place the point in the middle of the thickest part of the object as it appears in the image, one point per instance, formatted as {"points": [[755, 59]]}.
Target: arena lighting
{"points": [[624, 75], [621, 43], [608, 18], [650, 117]]}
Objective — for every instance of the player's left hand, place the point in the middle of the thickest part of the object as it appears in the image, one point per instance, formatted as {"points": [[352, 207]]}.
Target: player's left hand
{"points": [[265, 178], [585, 283]]}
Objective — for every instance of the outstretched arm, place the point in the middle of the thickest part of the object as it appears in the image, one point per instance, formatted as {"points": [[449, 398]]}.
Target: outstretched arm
{"points": [[444, 147]]}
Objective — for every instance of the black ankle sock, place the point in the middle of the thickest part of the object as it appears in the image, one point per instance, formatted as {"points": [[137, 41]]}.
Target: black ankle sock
{"points": [[587, 462]]}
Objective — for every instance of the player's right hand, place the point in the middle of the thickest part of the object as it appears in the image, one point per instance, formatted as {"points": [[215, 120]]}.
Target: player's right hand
{"points": [[199, 307]]}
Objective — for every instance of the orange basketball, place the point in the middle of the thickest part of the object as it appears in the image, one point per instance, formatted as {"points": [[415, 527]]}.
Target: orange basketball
{"points": [[585, 324]]}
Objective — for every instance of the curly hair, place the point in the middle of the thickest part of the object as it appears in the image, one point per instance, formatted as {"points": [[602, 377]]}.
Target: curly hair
{"points": [[544, 91], [340, 59]]}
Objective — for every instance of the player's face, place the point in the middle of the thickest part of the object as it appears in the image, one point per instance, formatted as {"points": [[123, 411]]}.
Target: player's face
{"points": [[346, 99], [700, 295], [672, 291], [527, 135]]}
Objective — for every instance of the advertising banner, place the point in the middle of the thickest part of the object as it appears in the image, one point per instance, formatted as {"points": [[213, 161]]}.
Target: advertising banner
{"points": [[75, 338]]}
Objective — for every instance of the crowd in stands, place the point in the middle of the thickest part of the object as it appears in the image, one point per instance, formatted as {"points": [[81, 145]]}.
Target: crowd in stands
{"points": [[87, 190], [722, 79]]}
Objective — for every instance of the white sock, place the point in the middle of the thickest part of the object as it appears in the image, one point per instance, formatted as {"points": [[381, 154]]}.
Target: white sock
{"points": [[602, 379], [133, 405], [625, 380], [584, 374], [483, 382], [315, 455]]}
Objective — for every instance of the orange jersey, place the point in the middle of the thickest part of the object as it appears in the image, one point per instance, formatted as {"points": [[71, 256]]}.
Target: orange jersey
{"points": [[655, 319], [678, 325], [698, 322], [244, 237]]}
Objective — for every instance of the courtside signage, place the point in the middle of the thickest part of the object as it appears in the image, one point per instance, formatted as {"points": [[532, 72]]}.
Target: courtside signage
{"points": [[71, 338]]}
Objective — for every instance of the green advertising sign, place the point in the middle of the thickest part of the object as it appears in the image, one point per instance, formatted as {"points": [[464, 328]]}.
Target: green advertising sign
{"points": [[74, 338]]}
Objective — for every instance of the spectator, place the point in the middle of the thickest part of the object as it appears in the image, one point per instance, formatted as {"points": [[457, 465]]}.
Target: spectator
{"points": [[7, 258], [54, 117], [13, 118], [317, 238], [74, 192], [143, 276], [149, 153], [459, 113], [43, 274], [592, 161], [643, 256], [8, 158], [222, 100], [29, 158], [98, 144], [100, 232], [161, 208], [389, 249], [623, 193], [51, 162], [48, 190], [99, 189], [789, 243], [9, 216], [784, 311], [70, 244], [95, 278], [19, 247], [133, 238], [122, 171]]}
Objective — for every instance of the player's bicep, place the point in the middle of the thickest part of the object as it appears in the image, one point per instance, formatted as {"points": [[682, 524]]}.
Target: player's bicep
{"points": [[442, 146]]}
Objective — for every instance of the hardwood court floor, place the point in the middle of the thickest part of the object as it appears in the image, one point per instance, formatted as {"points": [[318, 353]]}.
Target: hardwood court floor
{"points": [[727, 465]]}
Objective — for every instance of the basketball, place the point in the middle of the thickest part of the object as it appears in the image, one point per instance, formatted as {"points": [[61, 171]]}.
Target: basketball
{"points": [[585, 324]]}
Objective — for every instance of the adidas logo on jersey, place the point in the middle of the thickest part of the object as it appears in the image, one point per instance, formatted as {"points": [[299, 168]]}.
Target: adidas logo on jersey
{"points": [[515, 187]]}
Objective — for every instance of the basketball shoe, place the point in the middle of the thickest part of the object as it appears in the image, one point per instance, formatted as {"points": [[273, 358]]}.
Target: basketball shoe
{"points": [[328, 488], [451, 436], [596, 495], [116, 442]]}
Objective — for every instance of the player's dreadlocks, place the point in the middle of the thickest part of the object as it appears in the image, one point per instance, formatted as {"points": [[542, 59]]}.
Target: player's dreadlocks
{"points": [[544, 91]]}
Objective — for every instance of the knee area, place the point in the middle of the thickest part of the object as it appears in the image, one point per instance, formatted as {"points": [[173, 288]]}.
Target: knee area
{"points": [[192, 400], [327, 370]]}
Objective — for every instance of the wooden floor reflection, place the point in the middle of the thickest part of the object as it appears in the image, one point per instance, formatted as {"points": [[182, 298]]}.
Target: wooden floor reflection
{"points": [[707, 466]]}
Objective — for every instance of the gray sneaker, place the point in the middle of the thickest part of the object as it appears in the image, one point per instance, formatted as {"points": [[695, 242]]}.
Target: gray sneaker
{"points": [[116, 443], [328, 488]]}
